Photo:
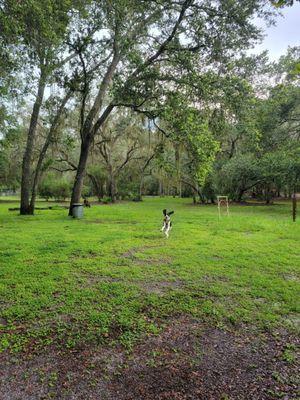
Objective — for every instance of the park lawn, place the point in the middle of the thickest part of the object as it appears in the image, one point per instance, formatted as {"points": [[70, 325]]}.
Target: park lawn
{"points": [[112, 277]]}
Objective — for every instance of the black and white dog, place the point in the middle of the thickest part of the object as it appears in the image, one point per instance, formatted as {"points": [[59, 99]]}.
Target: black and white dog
{"points": [[167, 224]]}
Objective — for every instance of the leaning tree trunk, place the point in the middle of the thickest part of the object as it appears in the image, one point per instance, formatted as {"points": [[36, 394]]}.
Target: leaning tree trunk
{"points": [[37, 175], [90, 128], [86, 142], [38, 168], [25, 208], [80, 174]]}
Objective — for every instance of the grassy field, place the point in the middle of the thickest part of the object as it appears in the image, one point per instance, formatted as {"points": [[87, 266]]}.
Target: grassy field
{"points": [[113, 278]]}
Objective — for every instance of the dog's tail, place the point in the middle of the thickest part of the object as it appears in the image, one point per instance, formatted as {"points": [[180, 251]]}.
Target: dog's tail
{"points": [[171, 212]]}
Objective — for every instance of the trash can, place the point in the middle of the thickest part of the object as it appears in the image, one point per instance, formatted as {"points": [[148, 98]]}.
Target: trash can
{"points": [[77, 210]]}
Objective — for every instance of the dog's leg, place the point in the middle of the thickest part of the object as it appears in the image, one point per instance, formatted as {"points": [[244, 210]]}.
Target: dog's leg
{"points": [[167, 230], [163, 227]]}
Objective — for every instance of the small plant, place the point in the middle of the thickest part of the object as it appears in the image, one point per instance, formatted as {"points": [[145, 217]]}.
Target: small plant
{"points": [[106, 200], [289, 353]]}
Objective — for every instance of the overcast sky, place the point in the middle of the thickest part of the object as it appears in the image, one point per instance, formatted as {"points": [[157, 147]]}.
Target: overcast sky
{"points": [[285, 33]]}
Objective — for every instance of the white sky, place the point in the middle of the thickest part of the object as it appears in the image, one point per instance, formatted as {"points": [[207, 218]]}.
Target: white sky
{"points": [[285, 33]]}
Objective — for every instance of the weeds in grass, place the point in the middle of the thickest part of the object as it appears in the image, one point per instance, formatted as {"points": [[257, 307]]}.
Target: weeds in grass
{"points": [[66, 281]]}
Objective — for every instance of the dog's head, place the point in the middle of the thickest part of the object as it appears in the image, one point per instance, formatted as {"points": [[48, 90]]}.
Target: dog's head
{"points": [[167, 213]]}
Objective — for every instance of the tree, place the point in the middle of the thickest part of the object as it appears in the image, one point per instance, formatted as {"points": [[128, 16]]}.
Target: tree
{"points": [[36, 30], [283, 3], [11, 146], [187, 128], [142, 63], [97, 175], [118, 145], [49, 138], [238, 175]]}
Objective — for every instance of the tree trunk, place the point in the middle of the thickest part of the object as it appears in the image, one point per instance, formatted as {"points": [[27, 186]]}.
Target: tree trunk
{"points": [[78, 183], [294, 206], [141, 187], [90, 128], [98, 186], [25, 208], [112, 188], [201, 197], [240, 195], [43, 152], [194, 197], [268, 195], [86, 142], [177, 166], [159, 187]]}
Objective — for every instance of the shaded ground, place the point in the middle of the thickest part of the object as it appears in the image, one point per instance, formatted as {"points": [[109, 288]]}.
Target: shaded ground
{"points": [[187, 360]]}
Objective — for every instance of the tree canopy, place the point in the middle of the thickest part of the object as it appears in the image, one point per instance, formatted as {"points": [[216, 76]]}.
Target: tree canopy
{"points": [[131, 97]]}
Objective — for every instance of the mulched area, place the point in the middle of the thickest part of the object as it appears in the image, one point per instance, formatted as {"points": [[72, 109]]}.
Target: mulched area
{"points": [[188, 360]]}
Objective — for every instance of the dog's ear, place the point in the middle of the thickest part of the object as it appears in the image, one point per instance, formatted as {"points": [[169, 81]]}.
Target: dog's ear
{"points": [[170, 212], [165, 212]]}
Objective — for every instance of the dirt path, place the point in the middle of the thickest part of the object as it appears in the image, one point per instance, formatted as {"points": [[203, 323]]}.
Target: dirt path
{"points": [[187, 361]]}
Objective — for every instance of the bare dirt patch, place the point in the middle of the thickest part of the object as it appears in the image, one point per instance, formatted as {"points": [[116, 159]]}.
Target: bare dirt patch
{"points": [[133, 255], [93, 279], [291, 277], [187, 361], [153, 261], [293, 320], [157, 287], [216, 258], [160, 287], [84, 254], [215, 278]]}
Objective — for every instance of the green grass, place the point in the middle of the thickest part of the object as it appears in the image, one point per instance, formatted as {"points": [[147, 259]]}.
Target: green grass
{"points": [[112, 276]]}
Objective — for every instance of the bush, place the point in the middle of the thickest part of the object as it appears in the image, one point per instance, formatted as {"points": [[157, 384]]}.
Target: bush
{"points": [[106, 200], [137, 198], [59, 189], [86, 191], [45, 189]]}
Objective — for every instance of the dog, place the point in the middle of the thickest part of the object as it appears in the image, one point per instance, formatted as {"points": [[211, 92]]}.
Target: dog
{"points": [[86, 203], [167, 224]]}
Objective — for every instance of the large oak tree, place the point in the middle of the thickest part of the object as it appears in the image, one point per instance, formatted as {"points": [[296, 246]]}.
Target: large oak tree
{"points": [[155, 47]]}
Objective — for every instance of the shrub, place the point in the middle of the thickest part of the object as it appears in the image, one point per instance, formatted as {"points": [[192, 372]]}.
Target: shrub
{"points": [[106, 199], [57, 188]]}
